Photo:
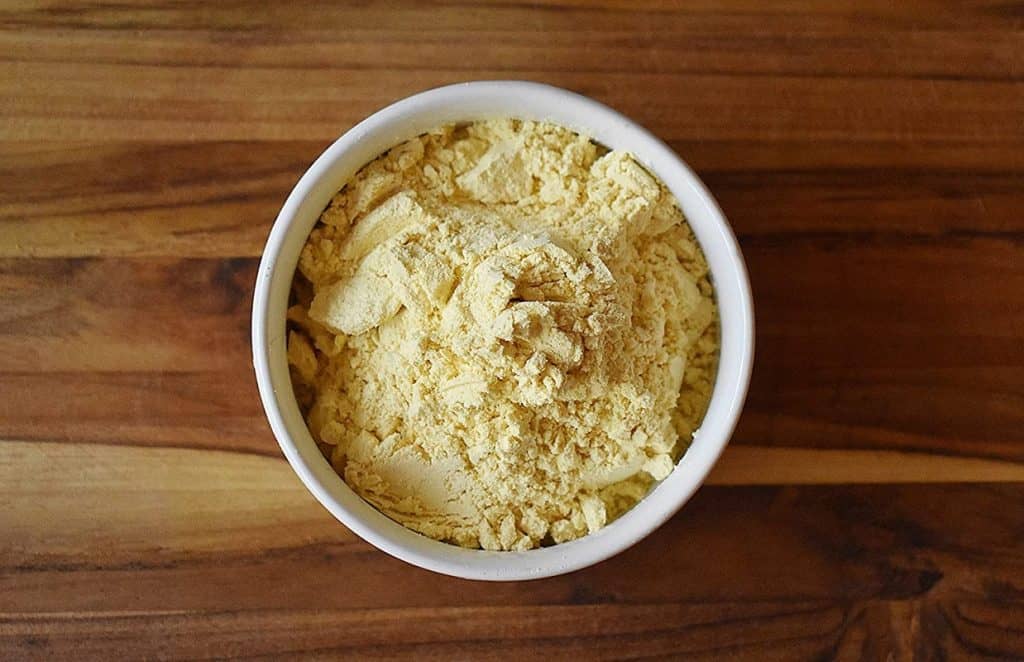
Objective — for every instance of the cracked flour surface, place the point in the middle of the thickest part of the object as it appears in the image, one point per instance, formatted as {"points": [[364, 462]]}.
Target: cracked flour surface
{"points": [[502, 334]]}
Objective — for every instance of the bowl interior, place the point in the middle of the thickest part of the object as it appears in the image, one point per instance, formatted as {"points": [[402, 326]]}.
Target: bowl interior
{"points": [[464, 103]]}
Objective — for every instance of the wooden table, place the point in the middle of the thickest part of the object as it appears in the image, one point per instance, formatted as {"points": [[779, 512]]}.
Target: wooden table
{"points": [[870, 156]]}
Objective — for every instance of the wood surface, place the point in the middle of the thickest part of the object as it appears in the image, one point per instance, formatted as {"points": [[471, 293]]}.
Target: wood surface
{"points": [[870, 156]]}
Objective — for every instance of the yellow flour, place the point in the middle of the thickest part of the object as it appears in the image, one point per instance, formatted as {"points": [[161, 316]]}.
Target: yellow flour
{"points": [[502, 334]]}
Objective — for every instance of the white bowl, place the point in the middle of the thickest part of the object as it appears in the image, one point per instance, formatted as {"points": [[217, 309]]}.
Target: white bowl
{"points": [[467, 102]]}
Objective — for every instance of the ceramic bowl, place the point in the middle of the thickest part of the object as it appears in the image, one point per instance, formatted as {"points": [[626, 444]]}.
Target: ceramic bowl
{"points": [[467, 102]]}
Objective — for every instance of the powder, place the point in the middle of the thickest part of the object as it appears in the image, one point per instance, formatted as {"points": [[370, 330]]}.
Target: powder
{"points": [[502, 334]]}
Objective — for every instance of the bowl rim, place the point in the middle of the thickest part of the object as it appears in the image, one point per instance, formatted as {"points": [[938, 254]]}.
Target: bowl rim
{"points": [[474, 101]]}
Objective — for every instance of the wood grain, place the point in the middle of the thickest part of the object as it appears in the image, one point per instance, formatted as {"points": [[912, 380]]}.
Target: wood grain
{"points": [[128, 500], [202, 548], [870, 156], [930, 74], [839, 365], [208, 104], [217, 199]]}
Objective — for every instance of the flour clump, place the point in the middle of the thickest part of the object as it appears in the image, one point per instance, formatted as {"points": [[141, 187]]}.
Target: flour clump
{"points": [[502, 334]]}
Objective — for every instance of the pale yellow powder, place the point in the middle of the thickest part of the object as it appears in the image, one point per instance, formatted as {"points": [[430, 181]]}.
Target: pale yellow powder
{"points": [[502, 334]]}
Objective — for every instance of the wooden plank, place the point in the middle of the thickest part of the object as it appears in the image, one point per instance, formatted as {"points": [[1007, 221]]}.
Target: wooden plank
{"points": [[861, 345], [148, 351], [179, 515], [597, 632], [912, 346], [163, 315], [122, 502], [218, 199], [199, 200], [757, 631], [116, 493], [125, 502], [159, 73], [510, 15], [684, 42], [207, 410], [85, 101], [184, 545]]}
